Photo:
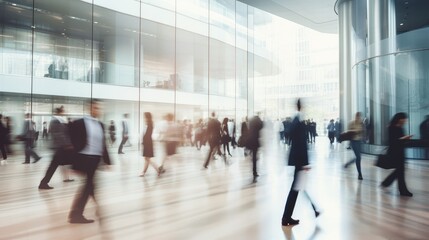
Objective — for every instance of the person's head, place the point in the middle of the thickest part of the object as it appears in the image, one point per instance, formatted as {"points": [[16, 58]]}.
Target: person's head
{"points": [[27, 115], [125, 115], [298, 105], [225, 121], [112, 122], [358, 116], [399, 119], [169, 117], [95, 107], [148, 117], [59, 110], [213, 114]]}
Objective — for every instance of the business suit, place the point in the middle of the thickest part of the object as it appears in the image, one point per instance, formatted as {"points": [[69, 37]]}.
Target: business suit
{"points": [[62, 146], [124, 135], [213, 135], [28, 135], [252, 143], [3, 139], [83, 133], [298, 157]]}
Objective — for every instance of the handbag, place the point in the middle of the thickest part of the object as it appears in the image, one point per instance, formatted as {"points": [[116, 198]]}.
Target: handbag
{"points": [[346, 136], [384, 162]]}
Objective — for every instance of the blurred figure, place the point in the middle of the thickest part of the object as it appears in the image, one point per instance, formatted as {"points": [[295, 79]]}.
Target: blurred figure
{"points": [[337, 129], [148, 145], [124, 133], [424, 134], [396, 153], [313, 131], [112, 132], [199, 134], [331, 131], [252, 143], [356, 127], [8, 135], [172, 136], [61, 144], [213, 137], [45, 130], [286, 125], [225, 138], [28, 136], [87, 137], [3, 139], [298, 157]]}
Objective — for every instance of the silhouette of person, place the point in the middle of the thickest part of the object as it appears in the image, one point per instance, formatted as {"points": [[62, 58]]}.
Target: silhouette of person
{"points": [[61, 144], [396, 153], [252, 143], [87, 137], [29, 136], [298, 157]]}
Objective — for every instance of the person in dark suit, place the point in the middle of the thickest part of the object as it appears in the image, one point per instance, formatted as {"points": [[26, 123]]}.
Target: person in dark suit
{"points": [[61, 144], [124, 133], [298, 157], [148, 145], [252, 143], [396, 153], [213, 135], [87, 137], [28, 136], [3, 139], [225, 138]]}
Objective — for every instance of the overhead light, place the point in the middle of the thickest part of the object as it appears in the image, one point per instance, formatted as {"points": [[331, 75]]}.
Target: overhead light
{"points": [[95, 22], [13, 4], [402, 24]]}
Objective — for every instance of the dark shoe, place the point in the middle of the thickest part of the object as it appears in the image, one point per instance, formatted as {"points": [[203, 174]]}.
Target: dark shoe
{"points": [[68, 180], [45, 186], [346, 165], [37, 159], [407, 194], [26, 163], [121, 153], [360, 177], [80, 219], [316, 213], [290, 222]]}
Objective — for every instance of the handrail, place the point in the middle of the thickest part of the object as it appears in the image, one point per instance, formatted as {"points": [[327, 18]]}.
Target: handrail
{"points": [[394, 53]]}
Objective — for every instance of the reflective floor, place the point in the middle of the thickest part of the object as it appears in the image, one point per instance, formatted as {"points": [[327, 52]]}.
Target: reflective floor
{"points": [[189, 202]]}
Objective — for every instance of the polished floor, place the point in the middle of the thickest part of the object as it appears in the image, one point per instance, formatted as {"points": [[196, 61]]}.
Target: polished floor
{"points": [[221, 202]]}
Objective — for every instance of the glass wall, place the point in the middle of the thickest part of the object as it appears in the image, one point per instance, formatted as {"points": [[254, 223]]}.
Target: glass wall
{"points": [[388, 65]]}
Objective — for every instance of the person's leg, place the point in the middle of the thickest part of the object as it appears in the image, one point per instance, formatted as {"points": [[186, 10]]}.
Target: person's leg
{"points": [[211, 151], [87, 190], [389, 179], [356, 149], [401, 181], [124, 140], [51, 169], [146, 165], [290, 203], [3, 151], [254, 163]]}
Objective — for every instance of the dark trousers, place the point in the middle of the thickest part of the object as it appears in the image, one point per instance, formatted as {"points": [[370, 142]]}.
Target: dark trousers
{"points": [[29, 150], [213, 148], [59, 158], [398, 173], [254, 163], [331, 136], [124, 140], [356, 146], [3, 151], [291, 199], [89, 164]]}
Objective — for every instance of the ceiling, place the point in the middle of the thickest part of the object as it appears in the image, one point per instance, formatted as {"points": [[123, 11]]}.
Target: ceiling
{"points": [[315, 14]]}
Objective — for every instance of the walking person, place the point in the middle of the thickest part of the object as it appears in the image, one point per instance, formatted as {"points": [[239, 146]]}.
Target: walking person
{"points": [[87, 137], [213, 137], [356, 128], [172, 135], [331, 131], [225, 138], [252, 143], [298, 157], [28, 136], [112, 133], [148, 145], [8, 142], [3, 140], [396, 153], [124, 133], [61, 144]]}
